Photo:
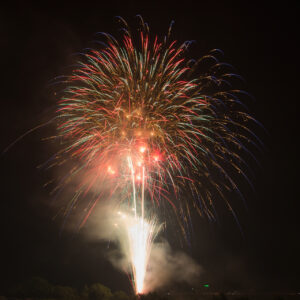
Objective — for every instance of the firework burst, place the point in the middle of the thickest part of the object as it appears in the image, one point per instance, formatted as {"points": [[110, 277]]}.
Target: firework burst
{"points": [[140, 122]]}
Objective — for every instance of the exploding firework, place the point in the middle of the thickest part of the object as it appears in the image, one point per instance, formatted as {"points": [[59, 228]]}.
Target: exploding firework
{"points": [[142, 125]]}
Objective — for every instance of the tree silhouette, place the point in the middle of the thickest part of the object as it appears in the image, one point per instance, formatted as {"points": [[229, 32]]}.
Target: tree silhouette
{"points": [[120, 295], [65, 292], [98, 291], [35, 287]]}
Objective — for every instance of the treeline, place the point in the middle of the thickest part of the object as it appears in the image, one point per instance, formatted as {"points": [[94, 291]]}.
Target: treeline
{"points": [[39, 288]]}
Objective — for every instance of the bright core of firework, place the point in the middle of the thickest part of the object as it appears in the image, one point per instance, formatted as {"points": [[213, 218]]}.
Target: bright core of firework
{"points": [[140, 234]]}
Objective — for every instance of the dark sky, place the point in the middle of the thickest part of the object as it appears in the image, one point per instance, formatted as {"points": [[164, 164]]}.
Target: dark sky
{"points": [[259, 39]]}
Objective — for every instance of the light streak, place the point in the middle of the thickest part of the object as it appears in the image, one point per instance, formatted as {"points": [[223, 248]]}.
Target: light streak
{"points": [[140, 233]]}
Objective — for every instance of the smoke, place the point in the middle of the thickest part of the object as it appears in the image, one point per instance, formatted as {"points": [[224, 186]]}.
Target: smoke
{"points": [[165, 266]]}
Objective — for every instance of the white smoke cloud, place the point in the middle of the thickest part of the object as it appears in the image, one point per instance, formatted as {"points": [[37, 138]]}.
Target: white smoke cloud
{"points": [[165, 266]]}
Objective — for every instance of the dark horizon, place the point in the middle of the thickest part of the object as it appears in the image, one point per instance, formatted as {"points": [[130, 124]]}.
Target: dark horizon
{"points": [[258, 39]]}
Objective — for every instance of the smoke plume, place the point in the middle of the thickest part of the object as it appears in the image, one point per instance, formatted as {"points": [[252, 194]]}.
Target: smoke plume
{"points": [[165, 266]]}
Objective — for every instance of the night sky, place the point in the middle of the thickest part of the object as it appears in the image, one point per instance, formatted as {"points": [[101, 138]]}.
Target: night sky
{"points": [[258, 39]]}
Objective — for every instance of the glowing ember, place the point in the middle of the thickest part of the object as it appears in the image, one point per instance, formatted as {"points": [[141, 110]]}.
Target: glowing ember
{"points": [[142, 149]]}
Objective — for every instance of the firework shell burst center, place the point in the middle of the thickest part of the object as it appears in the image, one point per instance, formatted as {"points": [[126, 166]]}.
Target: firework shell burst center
{"points": [[137, 119]]}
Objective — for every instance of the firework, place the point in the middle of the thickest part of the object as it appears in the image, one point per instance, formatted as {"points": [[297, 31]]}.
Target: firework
{"points": [[145, 127], [139, 235]]}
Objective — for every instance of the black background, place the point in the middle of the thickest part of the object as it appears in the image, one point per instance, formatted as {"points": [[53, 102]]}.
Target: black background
{"points": [[258, 38]]}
